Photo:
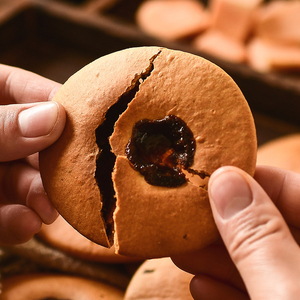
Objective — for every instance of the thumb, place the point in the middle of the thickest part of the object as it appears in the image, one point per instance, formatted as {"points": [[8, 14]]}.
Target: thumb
{"points": [[28, 128], [255, 234]]}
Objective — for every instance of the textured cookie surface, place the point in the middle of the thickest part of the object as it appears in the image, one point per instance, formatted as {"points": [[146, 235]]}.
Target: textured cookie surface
{"points": [[148, 220]]}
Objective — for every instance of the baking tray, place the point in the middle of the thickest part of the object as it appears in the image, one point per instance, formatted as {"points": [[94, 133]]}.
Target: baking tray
{"points": [[56, 38]]}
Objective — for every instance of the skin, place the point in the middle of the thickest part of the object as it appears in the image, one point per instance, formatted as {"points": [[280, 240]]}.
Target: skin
{"points": [[258, 256], [28, 124]]}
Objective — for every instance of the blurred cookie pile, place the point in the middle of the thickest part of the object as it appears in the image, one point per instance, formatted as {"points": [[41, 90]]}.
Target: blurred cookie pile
{"points": [[264, 35], [59, 263], [282, 152]]}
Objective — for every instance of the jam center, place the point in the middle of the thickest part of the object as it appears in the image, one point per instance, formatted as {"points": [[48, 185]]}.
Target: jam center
{"points": [[161, 149]]}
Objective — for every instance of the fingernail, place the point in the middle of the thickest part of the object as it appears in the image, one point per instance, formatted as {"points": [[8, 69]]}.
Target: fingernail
{"points": [[38, 120], [230, 193]]}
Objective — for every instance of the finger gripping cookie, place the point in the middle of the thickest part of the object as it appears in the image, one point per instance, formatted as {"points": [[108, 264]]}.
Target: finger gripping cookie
{"points": [[146, 127]]}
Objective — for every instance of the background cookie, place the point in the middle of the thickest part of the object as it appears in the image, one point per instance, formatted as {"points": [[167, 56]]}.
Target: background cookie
{"points": [[283, 152], [172, 19], [53, 286], [159, 279]]}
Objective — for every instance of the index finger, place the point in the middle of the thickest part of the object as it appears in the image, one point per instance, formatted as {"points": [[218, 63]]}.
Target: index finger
{"points": [[283, 187], [21, 86]]}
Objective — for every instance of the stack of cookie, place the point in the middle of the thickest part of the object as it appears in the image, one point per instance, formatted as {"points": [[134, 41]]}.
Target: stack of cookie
{"points": [[60, 263], [263, 35]]}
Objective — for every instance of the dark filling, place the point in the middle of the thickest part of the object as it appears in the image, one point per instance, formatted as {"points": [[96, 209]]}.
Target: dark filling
{"points": [[106, 159], [201, 174], [161, 149], [149, 271]]}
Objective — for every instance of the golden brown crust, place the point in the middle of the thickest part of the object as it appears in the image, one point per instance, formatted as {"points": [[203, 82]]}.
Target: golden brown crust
{"points": [[150, 221], [159, 279], [282, 152], [46, 286]]}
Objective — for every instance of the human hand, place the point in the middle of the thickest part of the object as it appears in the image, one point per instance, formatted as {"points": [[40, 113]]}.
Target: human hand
{"points": [[28, 124], [260, 257]]}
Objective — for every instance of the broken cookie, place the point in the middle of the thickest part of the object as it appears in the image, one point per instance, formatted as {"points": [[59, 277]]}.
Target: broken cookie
{"points": [[146, 127]]}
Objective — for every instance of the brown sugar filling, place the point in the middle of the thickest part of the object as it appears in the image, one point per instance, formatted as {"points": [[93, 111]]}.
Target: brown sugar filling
{"points": [[163, 152], [160, 149]]}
